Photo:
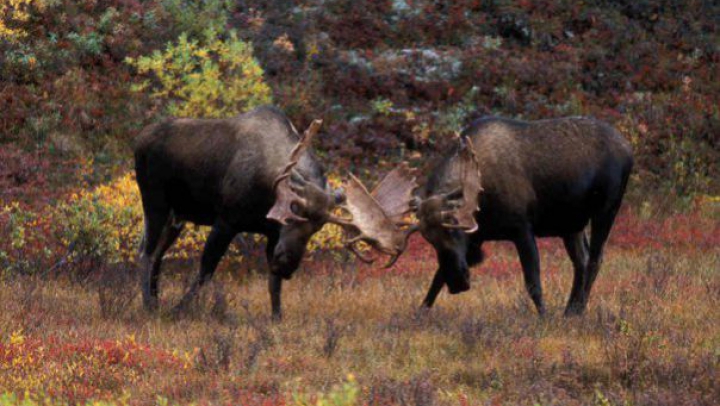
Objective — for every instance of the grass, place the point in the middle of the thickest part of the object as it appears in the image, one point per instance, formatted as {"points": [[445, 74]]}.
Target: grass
{"points": [[650, 335]]}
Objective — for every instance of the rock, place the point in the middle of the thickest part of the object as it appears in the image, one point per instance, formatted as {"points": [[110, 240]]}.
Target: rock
{"points": [[422, 65]]}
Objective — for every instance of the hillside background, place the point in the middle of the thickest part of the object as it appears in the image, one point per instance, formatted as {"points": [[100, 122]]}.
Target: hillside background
{"points": [[392, 79]]}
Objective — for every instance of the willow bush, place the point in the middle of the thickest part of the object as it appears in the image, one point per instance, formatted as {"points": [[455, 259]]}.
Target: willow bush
{"points": [[214, 77]]}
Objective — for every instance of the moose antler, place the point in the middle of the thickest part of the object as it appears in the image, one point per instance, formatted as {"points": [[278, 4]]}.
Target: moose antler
{"points": [[377, 217], [289, 181], [460, 213], [394, 192]]}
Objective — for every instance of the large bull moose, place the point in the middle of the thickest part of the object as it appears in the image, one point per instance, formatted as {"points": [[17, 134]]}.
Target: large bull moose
{"points": [[548, 178], [253, 173], [228, 174]]}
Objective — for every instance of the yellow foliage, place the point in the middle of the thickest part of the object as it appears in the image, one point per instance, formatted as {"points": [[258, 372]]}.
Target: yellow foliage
{"points": [[107, 221], [13, 12], [331, 236], [17, 337], [346, 394], [219, 78]]}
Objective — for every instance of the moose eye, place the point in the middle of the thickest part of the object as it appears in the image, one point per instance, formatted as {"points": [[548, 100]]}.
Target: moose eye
{"points": [[296, 208]]}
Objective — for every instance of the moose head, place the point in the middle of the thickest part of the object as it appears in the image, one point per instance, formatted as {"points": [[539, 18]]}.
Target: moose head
{"points": [[301, 206], [378, 217], [445, 219]]}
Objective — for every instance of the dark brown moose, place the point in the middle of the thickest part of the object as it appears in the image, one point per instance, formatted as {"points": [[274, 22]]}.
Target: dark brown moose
{"points": [[255, 174], [548, 178], [252, 173]]}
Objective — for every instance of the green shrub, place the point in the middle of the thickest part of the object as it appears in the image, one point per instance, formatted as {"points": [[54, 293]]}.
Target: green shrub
{"points": [[195, 17], [218, 78]]}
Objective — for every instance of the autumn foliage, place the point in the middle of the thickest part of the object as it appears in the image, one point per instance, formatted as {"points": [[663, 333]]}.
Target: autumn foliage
{"points": [[393, 81]]}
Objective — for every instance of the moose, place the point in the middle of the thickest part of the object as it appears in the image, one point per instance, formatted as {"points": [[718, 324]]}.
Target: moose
{"points": [[252, 173], [515, 181]]}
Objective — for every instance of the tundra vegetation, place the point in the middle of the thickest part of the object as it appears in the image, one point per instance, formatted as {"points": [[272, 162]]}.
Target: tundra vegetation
{"points": [[393, 81]]}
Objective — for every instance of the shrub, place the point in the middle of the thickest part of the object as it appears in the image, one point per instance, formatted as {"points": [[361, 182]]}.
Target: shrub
{"points": [[14, 12], [106, 222], [22, 248], [216, 78], [194, 17]]}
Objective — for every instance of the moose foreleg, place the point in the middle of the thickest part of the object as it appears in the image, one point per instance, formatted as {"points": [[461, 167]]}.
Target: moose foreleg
{"points": [[217, 243], [435, 287], [530, 260], [275, 288]]}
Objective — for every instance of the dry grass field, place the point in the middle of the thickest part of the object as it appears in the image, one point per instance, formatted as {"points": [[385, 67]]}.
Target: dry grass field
{"points": [[394, 81], [353, 335]]}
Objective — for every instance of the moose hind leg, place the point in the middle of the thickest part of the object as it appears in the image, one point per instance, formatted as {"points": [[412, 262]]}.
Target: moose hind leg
{"points": [[170, 234], [156, 225], [217, 243], [599, 232], [530, 260], [576, 246]]}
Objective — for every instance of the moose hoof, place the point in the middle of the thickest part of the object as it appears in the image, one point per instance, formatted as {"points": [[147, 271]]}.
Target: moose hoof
{"points": [[151, 305], [180, 310], [423, 311], [574, 310], [458, 286]]}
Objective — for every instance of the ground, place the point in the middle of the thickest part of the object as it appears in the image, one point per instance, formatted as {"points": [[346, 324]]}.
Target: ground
{"points": [[393, 82], [649, 335]]}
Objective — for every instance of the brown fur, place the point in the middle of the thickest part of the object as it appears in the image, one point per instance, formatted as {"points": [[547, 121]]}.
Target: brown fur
{"points": [[221, 173], [542, 178]]}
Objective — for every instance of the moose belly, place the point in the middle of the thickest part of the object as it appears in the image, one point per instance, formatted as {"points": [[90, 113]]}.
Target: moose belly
{"points": [[560, 220], [190, 205]]}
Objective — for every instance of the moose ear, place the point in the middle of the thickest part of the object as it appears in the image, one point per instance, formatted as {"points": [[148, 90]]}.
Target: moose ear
{"points": [[415, 203]]}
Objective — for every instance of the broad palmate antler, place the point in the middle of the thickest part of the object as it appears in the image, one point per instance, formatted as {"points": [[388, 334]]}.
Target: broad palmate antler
{"points": [[377, 217]]}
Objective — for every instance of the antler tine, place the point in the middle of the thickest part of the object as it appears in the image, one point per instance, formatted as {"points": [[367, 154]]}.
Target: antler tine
{"points": [[409, 232], [340, 221], [470, 179], [301, 146], [456, 209], [285, 195], [357, 253], [375, 218]]}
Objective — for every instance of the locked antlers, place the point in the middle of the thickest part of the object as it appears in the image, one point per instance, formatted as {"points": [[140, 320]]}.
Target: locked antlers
{"points": [[289, 182], [377, 216]]}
